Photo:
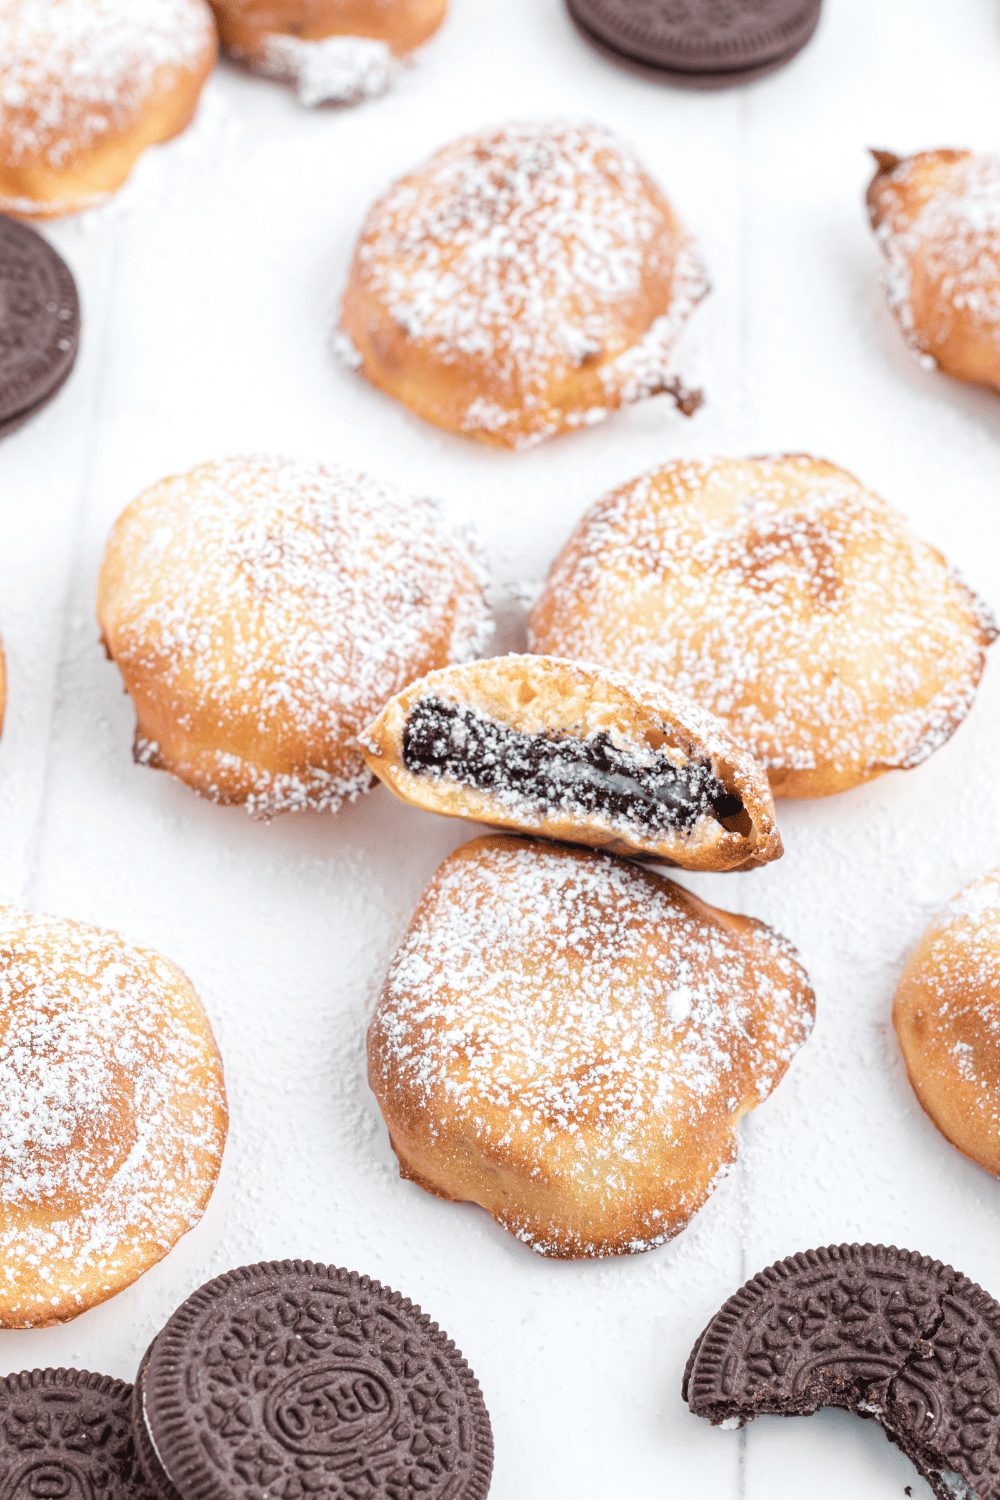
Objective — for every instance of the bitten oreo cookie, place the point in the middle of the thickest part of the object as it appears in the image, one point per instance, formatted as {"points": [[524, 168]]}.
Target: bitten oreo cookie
{"points": [[67, 1435], [888, 1334], [39, 323], [698, 43], [292, 1379]]}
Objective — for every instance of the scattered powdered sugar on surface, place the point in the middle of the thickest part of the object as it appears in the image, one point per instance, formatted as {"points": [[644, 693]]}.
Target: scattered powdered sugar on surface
{"points": [[111, 1121], [526, 250], [955, 239], [810, 620], [295, 594], [577, 1006], [333, 70], [71, 71]]}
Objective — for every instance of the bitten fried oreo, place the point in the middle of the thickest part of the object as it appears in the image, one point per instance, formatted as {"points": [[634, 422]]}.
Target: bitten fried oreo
{"points": [[937, 219], [537, 745], [289, 1378], [888, 1334], [262, 609], [112, 1115], [39, 324], [703, 43], [569, 1040], [67, 1435], [526, 281], [947, 1019], [785, 598]]}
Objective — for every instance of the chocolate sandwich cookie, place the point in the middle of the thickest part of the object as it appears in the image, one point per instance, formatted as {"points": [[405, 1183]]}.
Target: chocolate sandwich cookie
{"points": [[888, 1334], [39, 323], [294, 1379], [697, 44], [67, 1435]]}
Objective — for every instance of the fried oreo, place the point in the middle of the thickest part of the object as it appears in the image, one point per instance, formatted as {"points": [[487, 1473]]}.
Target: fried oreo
{"points": [[67, 1435], [702, 44], [891, 1335], [937, 218], [570, 1040], [947, 1018], [525, 281], [292, 1379], [537, 745], [786, 599], [39, 324]]}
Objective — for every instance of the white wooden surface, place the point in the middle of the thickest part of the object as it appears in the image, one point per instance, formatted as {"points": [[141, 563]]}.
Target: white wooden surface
{"points": [[208, 293]]}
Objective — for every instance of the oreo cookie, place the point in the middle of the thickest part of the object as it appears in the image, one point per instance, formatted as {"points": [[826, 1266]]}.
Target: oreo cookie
{"points": [[67, 1435], [312, 1383], [39, 323], [889, 1334], [698, 44]]}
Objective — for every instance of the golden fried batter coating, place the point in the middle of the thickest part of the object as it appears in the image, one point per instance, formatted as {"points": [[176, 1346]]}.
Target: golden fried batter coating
{"points": [[85, 87], [112, 1115], [525, 281], [262, 609], [247, 26], [569, 1040], [937, 218], [947, 1018], [785, 598]]}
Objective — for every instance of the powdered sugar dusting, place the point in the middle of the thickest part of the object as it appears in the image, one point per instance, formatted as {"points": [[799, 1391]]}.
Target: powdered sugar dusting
{"points": [[955, 238], [297, 594], [808, 619], [524, 252], [573, 1008], [112, 1112], [979, 902], [333, 70], [73, 72]]}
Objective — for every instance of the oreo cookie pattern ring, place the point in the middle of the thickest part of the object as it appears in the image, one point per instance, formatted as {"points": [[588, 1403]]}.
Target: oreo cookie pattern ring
{"points": [[289, 1377], [39, 323], [707, 44], [67, 1435], [892, 1335]]}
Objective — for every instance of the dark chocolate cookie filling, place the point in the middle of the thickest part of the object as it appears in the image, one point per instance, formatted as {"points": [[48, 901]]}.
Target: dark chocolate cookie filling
{"points": [[592, 774]]}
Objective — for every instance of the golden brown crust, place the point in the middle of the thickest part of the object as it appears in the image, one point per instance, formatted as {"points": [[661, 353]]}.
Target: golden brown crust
{"points": [[937, 218], [783, 597], [514, 347], [569, 1040], [260, 611], [947, 1018], [545, 697], [112, 1115], [246, 26], [87, 89]]}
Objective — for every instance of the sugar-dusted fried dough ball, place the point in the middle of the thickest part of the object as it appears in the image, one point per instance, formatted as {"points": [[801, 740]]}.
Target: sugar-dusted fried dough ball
{"points": [[112, 1115], [261, 610], [336, 51], [537, 745], [525, 281], [784, 597], [569, 1040], [937, 218], [947, 1018], [85, 87]]}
